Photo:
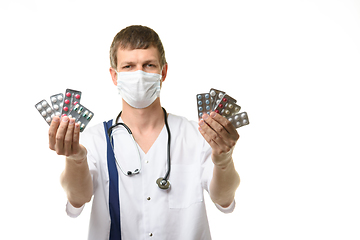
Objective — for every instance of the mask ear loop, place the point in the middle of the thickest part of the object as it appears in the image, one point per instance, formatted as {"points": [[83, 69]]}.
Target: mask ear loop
{"points": [[110, 133]]}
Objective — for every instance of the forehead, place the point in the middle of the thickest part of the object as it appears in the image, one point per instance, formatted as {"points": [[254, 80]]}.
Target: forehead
{"points": [[137, 55]]}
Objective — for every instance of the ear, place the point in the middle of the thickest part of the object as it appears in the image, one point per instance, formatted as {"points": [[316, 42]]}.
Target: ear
{"points": [[113, 76], [164, 72]]}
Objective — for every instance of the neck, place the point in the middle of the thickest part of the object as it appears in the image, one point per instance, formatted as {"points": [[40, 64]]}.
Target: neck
{"points": [[145, 119]]}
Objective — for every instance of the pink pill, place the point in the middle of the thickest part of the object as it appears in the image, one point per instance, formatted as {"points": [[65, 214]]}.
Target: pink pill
{"points": [[68, 94], [66, 109], [76, 103], [77, 96], [67, 101]]}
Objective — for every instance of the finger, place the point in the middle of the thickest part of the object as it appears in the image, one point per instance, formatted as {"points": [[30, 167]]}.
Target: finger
{"points": [[218, 131], [211, 133], [76, 136], [212, 144], [68, 141], [226, 124], [52, 132], [60, 135]]}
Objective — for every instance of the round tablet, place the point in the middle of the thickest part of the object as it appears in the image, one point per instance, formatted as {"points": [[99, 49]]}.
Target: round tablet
{"points": [[207, 95], [238, 124], [243, 115], [67, 101], [48, 110], [77, 96], [221, 95], [236, 117], [43, 113], [227, 112], [44, 104], [212, 93], [237, 109], [245, 121], [230, 106], [230, 119], [53, 99], [39, 107], [56, 107], [60, 98], [58, 114], [48, 119], [199, 97], [65, 109], [68, 94]]}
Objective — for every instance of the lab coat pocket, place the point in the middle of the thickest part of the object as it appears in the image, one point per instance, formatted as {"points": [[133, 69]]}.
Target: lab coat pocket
{"points": [[185, 186]]}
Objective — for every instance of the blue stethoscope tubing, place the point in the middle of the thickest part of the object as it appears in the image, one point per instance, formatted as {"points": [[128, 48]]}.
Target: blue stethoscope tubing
{"points": [[163, 183]]}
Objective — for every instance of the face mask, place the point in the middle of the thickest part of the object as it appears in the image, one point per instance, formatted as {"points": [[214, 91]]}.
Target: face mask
{"points": [[139, 89]]}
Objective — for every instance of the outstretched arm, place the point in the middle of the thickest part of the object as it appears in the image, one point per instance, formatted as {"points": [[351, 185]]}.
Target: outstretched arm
{"points": [[222, 137]]}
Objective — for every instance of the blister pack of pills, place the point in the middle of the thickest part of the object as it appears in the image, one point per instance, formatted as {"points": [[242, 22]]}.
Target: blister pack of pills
{"points": [[67, 104], [57, 103], [82, 115], [220, 102], [72, 97], [45, 110]]}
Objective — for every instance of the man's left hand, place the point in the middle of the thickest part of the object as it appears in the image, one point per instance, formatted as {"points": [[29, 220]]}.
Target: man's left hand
{"points": [[221, 135]]}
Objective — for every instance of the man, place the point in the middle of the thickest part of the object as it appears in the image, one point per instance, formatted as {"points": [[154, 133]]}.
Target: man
{"points": [[138, 204]]}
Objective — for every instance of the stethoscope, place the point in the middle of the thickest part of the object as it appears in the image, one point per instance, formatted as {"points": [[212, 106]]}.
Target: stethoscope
{"points": [[163, 183]]}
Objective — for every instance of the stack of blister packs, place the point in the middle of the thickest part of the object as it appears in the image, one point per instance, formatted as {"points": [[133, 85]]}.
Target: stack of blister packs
{"points": [[68, 105], [218, 101]]}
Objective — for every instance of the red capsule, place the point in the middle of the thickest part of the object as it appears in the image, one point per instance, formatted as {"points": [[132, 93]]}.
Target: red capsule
{"points": [[67, 101], [66, 109], [221, 106], [224, 99], [68, 94], [77, 96]]}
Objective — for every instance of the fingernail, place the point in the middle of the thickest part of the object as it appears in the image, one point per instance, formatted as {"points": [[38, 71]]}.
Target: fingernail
{"points": [[205, 116], [201, 122], [65, 119], [212, 114], [56, 119], [72, 121]]}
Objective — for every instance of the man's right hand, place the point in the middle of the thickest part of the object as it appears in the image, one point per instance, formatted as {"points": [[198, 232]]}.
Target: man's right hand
{"points": [[64, 136]]}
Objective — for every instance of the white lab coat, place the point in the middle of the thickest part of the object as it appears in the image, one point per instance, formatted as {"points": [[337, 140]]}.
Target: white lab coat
{"points": [[146, 211]]}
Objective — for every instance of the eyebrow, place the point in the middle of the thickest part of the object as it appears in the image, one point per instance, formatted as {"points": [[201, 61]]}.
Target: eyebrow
{"points": [[132, 63]]}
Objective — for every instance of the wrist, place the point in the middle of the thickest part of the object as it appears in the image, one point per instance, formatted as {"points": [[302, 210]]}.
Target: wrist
{"points": [[224, 164]]}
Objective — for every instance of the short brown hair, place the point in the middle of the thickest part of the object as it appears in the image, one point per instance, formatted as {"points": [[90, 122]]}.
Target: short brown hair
{"points": [[136, 37]]}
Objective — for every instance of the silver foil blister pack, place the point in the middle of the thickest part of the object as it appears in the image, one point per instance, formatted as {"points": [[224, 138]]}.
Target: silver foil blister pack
{"points": [[67, 104], [45, 110], [82, 115], [220, 102], [72, 97]]}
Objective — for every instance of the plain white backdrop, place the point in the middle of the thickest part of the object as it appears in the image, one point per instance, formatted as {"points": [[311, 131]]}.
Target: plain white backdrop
{"points": [[293, 66]]}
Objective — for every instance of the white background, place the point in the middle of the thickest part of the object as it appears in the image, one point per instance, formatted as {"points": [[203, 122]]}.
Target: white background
{"points": [[293, 66]]}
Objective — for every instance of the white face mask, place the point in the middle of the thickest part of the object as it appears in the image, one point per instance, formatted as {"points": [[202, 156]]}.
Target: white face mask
{"points": [[139, 89]]}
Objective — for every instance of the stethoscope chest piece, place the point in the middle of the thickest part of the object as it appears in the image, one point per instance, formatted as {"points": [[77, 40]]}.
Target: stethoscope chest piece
{"points": [[162, 183]]}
